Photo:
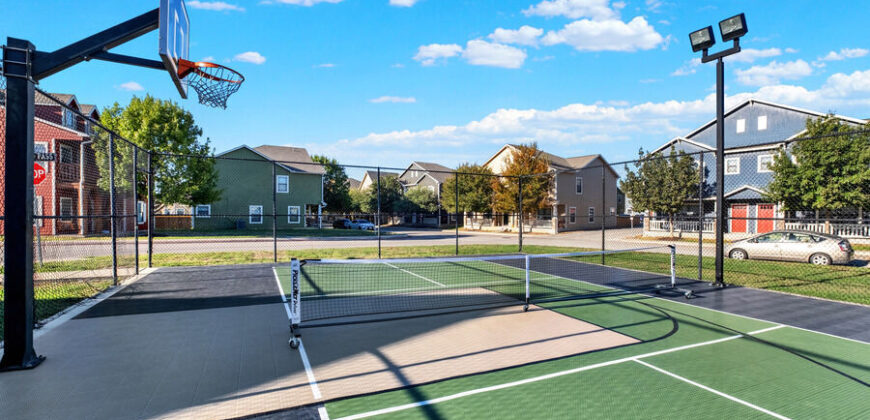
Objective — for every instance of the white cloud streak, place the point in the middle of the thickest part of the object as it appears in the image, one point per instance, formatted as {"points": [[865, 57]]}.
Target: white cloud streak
{"points": [[394, 100], [250, 57], [217, 6], [429, 55], [774, 72], [844, 54], [403, 3], [306, 3], [573, 9], [606, 35], [526, 35], [131, 87], [481, 53]]}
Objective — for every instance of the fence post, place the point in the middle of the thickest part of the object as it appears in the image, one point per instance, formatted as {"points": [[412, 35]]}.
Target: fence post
{"points": [[456, 209], [603, 212], [136, 205], [113, 212], [701, 218], [520, 211], [378, 212], [151, 218], [275, 213]]}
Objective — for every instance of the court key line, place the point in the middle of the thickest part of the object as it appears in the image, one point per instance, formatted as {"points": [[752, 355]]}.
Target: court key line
{"points": [[549, 376], [414, 274], [309, 372]]}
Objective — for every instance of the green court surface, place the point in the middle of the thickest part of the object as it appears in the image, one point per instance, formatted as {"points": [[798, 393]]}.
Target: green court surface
{"points": [[690, 362]]}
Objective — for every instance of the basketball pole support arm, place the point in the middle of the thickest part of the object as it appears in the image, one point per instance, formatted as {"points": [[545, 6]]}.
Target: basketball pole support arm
{"points": [[24, 67]]}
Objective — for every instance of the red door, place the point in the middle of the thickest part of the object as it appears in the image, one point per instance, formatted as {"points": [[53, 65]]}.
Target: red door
{"points": [[738, 218], [765, 218]]}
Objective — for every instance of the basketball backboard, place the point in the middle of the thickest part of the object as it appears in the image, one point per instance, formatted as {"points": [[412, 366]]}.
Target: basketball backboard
{"points": [[174, 39]]}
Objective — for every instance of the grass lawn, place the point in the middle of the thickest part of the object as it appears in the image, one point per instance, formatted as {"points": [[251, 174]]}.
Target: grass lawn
{"points": [[861, 247]]}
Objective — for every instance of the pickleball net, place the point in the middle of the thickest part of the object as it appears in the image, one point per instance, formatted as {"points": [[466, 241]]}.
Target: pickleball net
{"points": [[335, 292]]}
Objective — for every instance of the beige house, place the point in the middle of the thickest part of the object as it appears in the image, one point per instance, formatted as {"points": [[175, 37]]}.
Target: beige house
{"points": [[370, 178], [583, 195]]}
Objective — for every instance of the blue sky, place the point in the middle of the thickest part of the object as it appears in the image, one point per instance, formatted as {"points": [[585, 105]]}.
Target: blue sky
{"points": [[391, 81]]}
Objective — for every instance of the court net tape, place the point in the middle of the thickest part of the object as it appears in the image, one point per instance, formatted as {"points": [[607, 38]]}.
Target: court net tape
{"points": [[330, 292]]}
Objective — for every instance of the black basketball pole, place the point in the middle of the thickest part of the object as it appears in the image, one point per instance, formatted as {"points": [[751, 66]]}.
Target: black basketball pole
{"points": [[720, 171]]}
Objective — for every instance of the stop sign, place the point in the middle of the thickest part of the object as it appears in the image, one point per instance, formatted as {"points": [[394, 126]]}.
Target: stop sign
{"points": [[38, 173]]}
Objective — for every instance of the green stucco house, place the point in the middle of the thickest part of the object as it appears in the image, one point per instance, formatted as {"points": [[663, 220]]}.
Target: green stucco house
{"points": [[253, 180]]}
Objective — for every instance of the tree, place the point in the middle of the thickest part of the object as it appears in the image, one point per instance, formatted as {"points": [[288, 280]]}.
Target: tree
{"points": [[184, 172], [532, 166], [824, 172], [391, 195], [336, 190], [359, 201], [661, 184], [475, 189], [419, 200]]}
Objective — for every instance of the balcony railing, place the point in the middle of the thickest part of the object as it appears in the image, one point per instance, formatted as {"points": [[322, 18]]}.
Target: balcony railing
{"points": [[846, 230], [682, 225], [68, 172]]}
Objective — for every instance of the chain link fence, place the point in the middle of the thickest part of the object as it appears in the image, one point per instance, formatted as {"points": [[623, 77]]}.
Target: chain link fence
{"points": [[108, 209]]}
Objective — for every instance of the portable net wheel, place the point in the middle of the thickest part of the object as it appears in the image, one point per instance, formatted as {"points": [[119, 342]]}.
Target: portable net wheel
{"points": [[212, 82]]}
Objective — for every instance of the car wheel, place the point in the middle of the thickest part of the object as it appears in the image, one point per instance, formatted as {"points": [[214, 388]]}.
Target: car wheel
{"points": [[820, 259], [738, 254]]}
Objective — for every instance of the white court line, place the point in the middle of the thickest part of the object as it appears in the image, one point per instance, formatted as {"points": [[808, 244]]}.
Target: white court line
{"points": [[309, 372], [719, 393], [414, 274], [543, 377]]}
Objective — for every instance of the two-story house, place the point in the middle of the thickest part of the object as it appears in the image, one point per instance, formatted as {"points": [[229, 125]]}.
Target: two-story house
{"points": [[583, 196], [426, 175], [755, 131], [245, 179], [70, 187], [370, 178]]}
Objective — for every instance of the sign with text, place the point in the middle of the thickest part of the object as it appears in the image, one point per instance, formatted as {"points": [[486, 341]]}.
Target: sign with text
{"points": [[44, 156], [38, 174]]}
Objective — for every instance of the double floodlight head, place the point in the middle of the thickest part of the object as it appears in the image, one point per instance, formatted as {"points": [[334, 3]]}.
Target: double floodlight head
{"points": [[731, 28]]}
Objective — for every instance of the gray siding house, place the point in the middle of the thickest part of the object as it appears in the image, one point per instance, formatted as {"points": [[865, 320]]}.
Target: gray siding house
{"points": [[754, 132], [426, 175]]}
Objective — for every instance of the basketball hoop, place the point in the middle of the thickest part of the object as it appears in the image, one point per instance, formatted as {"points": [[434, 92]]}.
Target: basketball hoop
{"points": [[212, 82]]}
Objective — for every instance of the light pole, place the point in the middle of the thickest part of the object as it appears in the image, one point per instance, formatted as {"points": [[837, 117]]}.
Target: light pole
{"points": [[731, 29]]}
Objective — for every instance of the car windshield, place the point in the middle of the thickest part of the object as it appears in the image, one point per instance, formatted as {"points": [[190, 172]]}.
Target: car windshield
{"points": [[799, 237]]}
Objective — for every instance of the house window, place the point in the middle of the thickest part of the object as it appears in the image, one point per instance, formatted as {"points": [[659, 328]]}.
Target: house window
{"points": [[591, 214], [613, 211], [40, 147], [255, 215], [294, 215], [578, 185], [167, 211], [741, 125], [180, 212], [66, 209], [764, 163], [732, 166], [37, 211], [282, 184], [142, 210], [203, 211], [69, 119], [67, 155], [762, 123], [572, 214]]}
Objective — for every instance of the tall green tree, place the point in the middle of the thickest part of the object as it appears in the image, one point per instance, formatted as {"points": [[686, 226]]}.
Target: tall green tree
{"points": [[359, 201], [661, 183], [418, 200], [184, 172], [475, 189], [336, 190], [533, 166], [825, 172], [391, 195]]}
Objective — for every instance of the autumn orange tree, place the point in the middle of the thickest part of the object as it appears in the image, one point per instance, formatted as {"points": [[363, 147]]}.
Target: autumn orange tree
{"points": [[530, 167]]}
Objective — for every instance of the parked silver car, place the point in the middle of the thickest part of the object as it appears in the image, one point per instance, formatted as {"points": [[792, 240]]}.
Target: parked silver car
{"points": [[362, 224], [793, 245]]}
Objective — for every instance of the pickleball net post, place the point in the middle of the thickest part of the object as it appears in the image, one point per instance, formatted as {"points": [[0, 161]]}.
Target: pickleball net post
{"points": [[528, 282], [673, 263], [295, 302]]}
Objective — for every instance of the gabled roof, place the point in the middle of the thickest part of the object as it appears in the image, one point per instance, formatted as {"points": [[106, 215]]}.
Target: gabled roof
{"points": [[89, 109], [67, 99], [678, 139], [374, 174], [292, 166], [744, 188], [436, 171], [775, 105], [295, 158], [559, 163], [353, 183]]}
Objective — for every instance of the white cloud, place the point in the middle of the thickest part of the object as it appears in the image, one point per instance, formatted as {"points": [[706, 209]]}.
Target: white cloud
{"points": [[606, 35], [654, 5], [131, 87], [750, 55], [209, 59], [481, 53], [250, 57], [578, 127], [773, 72], [844, 54], [217, 6], [394, 100], [398, 66], [403, 3], [324, 66], [574, 9], [429, 55], [306, 3], [526, 35], [690, 67]]}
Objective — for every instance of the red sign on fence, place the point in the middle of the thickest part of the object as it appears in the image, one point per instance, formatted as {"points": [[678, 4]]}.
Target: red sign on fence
{"points": [[38, 174]]}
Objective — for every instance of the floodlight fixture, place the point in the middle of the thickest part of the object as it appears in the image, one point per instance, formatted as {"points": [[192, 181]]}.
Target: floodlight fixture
{"points": [[733, 27], [702, 39]]}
